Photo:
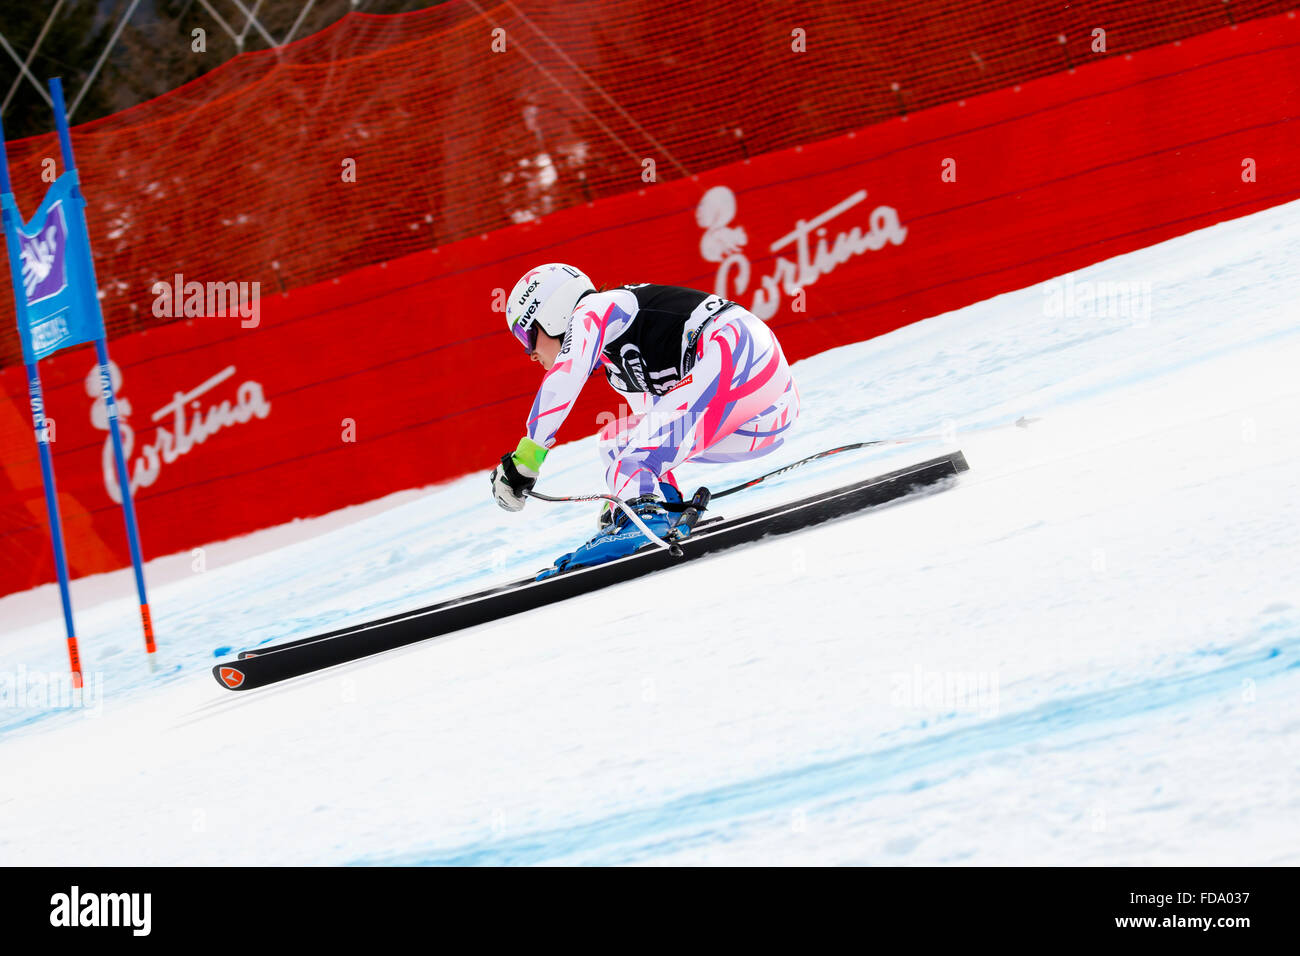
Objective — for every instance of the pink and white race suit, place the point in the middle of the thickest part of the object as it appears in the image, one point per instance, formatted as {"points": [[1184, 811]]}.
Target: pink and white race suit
{"points": [[704, 380]]}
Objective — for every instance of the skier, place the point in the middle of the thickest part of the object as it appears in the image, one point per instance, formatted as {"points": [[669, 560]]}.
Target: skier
{"points": [[703, 378]]}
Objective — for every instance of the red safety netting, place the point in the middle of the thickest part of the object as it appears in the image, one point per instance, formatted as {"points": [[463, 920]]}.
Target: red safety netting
{"points": [[239, 175]]}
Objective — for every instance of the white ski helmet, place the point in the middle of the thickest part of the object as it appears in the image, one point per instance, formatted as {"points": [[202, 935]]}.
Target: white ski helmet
{"points": [[545, 298]]}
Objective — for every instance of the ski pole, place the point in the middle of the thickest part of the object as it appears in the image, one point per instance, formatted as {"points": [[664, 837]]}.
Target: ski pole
{"points": [[1021, 422]]}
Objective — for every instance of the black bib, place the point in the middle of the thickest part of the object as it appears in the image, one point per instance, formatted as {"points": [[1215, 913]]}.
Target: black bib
{"points": [[657, 349]]}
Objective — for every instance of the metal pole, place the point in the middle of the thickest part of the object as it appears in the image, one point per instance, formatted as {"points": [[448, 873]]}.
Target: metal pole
{"points": [[61, 123], [11, 221], [85, 87], [52, 508], [31, 55], [106, 386], [124, 483]]}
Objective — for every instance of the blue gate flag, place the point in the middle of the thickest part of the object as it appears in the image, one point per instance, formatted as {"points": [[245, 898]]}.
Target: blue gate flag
{"points": [[58, 304]]}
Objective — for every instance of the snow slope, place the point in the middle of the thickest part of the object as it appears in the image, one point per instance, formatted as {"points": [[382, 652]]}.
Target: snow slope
{"points": [[1087, 652]]}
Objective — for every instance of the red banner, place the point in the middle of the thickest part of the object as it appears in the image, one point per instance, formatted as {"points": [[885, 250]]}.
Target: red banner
{"points": [[402, 375]]}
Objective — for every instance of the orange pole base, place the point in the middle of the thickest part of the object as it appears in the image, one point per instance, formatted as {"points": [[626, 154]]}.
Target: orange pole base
{"points": [[147, 619], [75, 657]]}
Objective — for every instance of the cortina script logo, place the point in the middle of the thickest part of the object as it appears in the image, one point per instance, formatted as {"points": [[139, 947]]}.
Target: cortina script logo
{"points": [[816, 253], [190, 424]]}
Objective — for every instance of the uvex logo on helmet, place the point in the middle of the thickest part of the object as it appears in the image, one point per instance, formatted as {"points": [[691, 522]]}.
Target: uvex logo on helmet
{"points": [[532, 287]]}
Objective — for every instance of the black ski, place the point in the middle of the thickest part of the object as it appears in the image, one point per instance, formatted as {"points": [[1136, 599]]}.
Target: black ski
{"points": [[279, 662], [271, 648]]}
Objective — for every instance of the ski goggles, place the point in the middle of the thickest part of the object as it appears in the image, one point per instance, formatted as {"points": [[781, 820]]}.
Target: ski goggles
{"points": [[527, 335]]}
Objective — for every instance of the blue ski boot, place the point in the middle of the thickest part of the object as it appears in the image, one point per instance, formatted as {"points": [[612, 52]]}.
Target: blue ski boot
{"points": [[608, 511], [618, 536]]}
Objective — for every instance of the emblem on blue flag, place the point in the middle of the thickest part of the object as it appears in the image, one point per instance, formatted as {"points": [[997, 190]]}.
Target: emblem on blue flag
{"points": [[59, 298]]}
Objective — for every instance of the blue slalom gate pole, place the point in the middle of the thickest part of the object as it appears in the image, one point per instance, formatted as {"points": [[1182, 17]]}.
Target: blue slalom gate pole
{"points": [[106, 386], [128, 506], [11, 221], [52, 509]]}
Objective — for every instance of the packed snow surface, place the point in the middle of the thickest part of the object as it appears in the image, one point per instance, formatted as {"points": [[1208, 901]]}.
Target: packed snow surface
{"points": [[1084, 652]]}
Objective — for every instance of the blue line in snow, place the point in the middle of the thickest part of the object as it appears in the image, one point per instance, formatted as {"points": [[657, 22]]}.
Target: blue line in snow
{"points": [[621, 837]]}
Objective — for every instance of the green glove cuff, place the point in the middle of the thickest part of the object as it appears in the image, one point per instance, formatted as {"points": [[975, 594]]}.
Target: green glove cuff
{"points": [[530, 455]]}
